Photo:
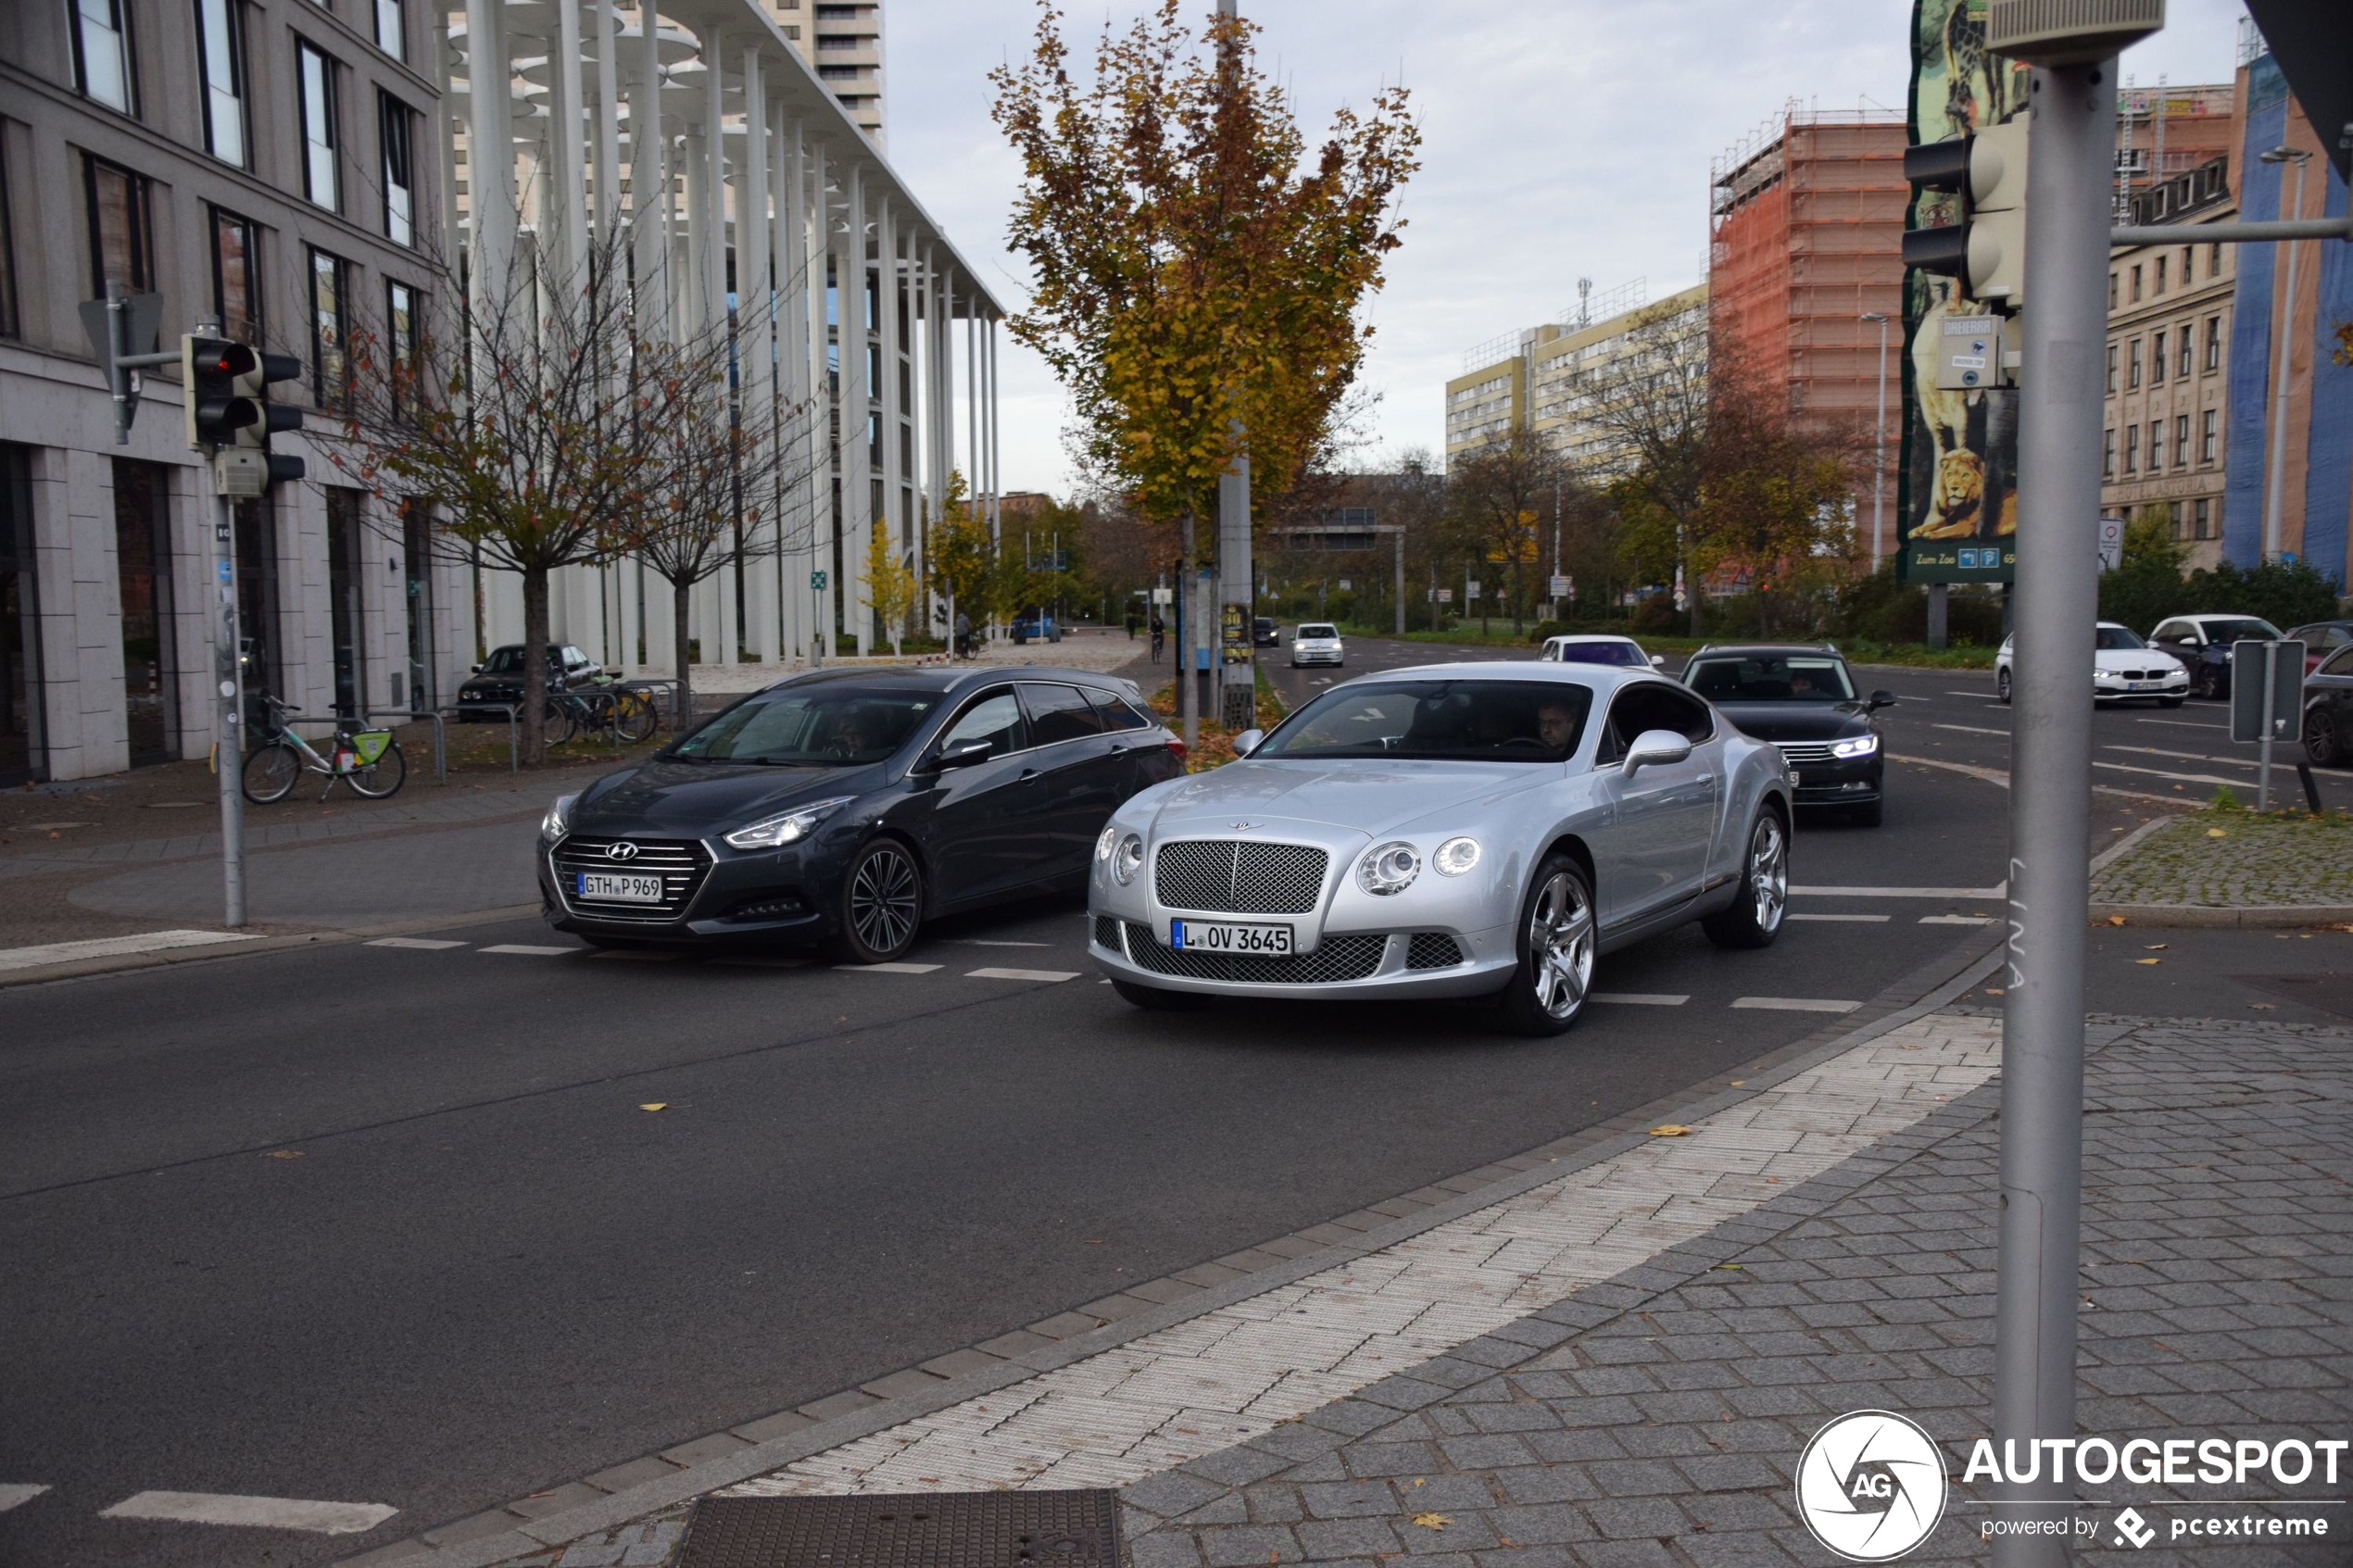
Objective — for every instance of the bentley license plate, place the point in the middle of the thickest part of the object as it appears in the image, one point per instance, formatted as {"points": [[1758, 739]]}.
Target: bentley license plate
{"points": [[1201, 936], [620, 887]]}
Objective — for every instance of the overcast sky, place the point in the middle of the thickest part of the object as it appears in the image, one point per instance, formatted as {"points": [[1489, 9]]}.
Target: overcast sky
{"points": [[1562, 139]]}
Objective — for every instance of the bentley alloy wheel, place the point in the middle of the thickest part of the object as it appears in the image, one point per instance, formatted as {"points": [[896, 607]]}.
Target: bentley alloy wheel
{"points": [[1555, 973], [1758, 908], [882, 903]]}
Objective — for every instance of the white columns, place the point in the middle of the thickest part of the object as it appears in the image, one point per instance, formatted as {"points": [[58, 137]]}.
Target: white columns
{"points": [[824, 510], [490, 157], [649, 184], [713, 236], [897, 529], [568, 266], [755, 318], [988, 416], [857, 414], [693, 238], [607, 143], [971, 403]]}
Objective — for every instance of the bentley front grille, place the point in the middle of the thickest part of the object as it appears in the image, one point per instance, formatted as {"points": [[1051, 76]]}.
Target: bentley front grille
{"points": [[1341, 957], [1432, 950], [680, 862], [1107, 932], [1239, 876]]}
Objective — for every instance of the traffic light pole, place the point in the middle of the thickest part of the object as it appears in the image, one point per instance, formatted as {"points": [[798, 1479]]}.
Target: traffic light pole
{"points": [[228, 727], [2064, 321]]}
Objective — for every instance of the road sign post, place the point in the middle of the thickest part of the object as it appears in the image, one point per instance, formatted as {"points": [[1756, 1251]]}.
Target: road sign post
{"points": [[229, 701], [2266, 694]]}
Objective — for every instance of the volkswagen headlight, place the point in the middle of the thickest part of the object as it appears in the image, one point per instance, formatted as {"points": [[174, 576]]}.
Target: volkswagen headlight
{"points": [[558, 819], [1861, 745], [774, 833], [1456, 855], [1390, 868], [1127, 858]]}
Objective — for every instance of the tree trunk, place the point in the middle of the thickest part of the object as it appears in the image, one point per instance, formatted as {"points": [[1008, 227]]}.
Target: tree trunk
{"points": [[535, 665], [1188, 692], [685, 714], [1764, 615]]}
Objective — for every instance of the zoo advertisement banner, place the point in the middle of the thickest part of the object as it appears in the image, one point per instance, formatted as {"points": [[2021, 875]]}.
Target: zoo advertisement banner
{"points": [[1957, 494]]}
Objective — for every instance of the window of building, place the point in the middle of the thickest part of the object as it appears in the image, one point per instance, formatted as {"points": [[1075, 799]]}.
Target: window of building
{"points": [[21, 755], [220, 56], [345, 550], [2214, 260], [2208, 435], [2136, 286], [316, 80], [2174, 517], [2180, 440], [329, 367], [121, 249], [2182, 351], [2132, 448], [2107, 455], [2188, 256], [2160, 274], [2111, 290], [2157, 446], [2157, 356], [236, 276], [11, 321], [143, 582], [2111, 367], [402, 331], [837, 73], [102, 67], [792, 31], [399, 172], [2202, 515], [2213, 343], [392, 32], [2132, 365]]}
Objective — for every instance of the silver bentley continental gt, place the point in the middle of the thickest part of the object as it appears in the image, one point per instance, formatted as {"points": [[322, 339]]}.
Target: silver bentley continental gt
{"points": [[1457, 830]]}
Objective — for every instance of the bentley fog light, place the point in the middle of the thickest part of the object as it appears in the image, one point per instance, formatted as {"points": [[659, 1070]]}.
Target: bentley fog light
{"points": [[1861, 745], [1127, 859], [1456, 855], [1390, 868], [774, 833]]}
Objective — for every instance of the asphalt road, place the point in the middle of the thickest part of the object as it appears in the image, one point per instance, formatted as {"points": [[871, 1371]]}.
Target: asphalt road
{"points": [[380, 1225]]}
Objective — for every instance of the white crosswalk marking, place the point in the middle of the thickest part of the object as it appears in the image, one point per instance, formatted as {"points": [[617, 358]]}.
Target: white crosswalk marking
{"points": [[1796, 1004], [529, 951], [887, 968], [421, 944], [12, 1493], [1851, 919], [275, 1513], [1956, 919], [1021, 974]]}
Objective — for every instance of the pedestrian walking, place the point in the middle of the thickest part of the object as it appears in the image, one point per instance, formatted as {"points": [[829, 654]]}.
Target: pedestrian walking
{"points": [[1159, 635]]}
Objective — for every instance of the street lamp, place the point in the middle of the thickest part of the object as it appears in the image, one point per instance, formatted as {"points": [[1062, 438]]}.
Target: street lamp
{"points": [[1879, 461], [2277, 480]]}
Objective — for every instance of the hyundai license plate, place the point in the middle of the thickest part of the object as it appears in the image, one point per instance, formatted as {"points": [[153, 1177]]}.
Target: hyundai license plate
{"points": [[1201, 936], [619, 887]]}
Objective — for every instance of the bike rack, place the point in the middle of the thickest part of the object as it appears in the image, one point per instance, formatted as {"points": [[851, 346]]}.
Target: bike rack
{"points": [[440, 738], [649, 682]]}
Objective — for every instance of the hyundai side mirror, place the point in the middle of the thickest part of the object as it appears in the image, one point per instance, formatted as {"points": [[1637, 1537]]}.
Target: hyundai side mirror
{"points": [[1655, 748], [964, 754], [1882, 699], [1248, 742]]}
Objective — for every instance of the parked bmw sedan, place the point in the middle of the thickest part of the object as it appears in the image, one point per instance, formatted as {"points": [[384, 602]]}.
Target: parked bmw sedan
{"points": [[497, 683], [1802, 697], [847, 806], [1459, 830]]}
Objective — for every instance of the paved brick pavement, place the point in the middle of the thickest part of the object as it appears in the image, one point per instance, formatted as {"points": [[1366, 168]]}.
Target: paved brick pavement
{"points": [[2290, 858]]}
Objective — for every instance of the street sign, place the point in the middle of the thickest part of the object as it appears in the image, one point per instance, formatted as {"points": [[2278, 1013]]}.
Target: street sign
{"points": [[2111, 542], [1564, 587], [816, 582], [1344, 585], [1445, 596], [1163, 595], [1470, 590], [2247, 659]]}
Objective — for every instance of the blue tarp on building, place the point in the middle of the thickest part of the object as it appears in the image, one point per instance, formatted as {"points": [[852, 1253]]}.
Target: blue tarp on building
{"points": [[2261, 193]]}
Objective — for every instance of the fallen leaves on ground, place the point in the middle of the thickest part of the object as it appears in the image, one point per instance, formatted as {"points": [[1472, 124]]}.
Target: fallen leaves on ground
{"points": [[2218, 832], [2155, 946], [2148, 960], [1432, 1521], [2116, 920], [1671, 1130], [654, 1105], [284, 1154]]}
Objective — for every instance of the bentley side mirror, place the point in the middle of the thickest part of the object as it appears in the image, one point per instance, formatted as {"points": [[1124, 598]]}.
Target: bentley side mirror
{"points": [[964, 754], [1248, 742], [1882, 699], [1655, 748]]}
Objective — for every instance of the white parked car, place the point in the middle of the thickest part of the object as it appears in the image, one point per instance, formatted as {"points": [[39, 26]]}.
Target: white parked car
{"points": [[1316, 642], [1597, 647], [1457, 830], [2123, 665]]}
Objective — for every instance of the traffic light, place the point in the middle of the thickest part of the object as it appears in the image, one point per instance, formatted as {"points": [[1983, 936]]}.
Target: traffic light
{"points": [[253, 385], [1984, 251], [228, 410], [209, 371]]}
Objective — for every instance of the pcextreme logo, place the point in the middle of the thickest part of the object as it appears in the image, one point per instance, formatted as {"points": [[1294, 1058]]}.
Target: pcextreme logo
{"points": [[1870, 1485]]}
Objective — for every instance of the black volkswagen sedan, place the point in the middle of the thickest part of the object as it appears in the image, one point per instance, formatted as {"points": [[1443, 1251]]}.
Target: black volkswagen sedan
{"points": [[1802, 697], [846, 806]]}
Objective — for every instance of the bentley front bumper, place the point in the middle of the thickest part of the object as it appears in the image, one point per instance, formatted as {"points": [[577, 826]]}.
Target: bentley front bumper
{"points": [[1354, 965]]}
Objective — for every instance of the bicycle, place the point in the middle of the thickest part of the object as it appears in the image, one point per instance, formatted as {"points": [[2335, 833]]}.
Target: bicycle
{"points": [[368, 760], [620, 714]]}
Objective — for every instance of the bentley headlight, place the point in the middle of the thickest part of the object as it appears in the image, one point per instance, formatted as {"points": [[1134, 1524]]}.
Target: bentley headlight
{"points": [[1861, 745], [1127, 858], [1390, 868], [774, 833], [1456, 855], [1104, 840], [558, 819]]}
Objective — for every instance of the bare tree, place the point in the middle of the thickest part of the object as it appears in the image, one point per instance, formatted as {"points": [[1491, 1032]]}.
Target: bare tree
{"points": [[1496, 497], [1650, 400]]}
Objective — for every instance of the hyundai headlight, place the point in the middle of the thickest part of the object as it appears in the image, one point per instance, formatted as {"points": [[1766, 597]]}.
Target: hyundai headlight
{"points": [[1389, 870], [558, 819], [774, 833], [1861, 745], [1456, 855], [1127, 858]]}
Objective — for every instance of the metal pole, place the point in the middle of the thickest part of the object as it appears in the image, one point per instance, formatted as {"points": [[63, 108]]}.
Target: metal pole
{"points": [[1401, 582], [2059, 490], [2277, 480], [227, 753], [1879, 461], [2271, 721]]}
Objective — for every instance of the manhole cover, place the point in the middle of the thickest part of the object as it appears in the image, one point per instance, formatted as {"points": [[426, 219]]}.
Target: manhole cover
{"points": [[907, 1530]]}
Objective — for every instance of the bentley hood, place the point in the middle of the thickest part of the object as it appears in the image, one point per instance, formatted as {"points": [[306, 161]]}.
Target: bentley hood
{"points": [[1368, 797]]}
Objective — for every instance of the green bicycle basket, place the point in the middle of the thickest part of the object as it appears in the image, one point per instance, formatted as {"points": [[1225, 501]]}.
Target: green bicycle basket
{"points": [[369, 745]]}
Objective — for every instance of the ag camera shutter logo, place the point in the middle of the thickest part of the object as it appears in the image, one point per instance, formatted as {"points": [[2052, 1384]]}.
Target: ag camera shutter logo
{"points": [[1870, 1485]]}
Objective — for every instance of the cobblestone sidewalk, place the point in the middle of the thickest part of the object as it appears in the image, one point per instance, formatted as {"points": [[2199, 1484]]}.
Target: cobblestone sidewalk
{"points": [[2234, 860]]}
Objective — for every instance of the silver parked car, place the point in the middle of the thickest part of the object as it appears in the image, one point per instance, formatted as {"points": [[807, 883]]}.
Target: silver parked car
{"points": [[1455, 830]]}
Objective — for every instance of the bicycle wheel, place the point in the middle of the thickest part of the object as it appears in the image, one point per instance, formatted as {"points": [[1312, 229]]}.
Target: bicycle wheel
{"points": [[271, 772], [382, 777], [561, 722], [634, 715]]}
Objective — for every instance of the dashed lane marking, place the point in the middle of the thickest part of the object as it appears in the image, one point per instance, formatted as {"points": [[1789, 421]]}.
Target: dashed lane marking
{"points": [[1850, 919], [987, 942], [1979, 694], [2182, 723], [421, 944], [1640, 999], [887, 968], [2183, 756], [1021, 974], [1796, 1004], [1999, 890], [1956, 919], [529, 951], [274, 1514], [1975, 730], [13, 1493], [2161, 773]]}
